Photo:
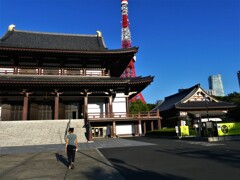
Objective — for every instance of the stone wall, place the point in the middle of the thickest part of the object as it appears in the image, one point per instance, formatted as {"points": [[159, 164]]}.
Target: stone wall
{"points": [[40, 132]]}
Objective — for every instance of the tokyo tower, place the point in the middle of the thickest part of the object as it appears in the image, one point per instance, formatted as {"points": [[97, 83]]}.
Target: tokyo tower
{"points": [[127, 43]]}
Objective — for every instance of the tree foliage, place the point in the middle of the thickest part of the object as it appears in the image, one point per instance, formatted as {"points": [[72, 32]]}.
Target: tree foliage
{"points": [[139, 106], [151, 106], [234, 113]]}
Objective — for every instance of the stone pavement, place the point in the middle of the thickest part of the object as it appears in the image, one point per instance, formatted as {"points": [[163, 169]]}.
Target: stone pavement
{"points": [[50, 161]]}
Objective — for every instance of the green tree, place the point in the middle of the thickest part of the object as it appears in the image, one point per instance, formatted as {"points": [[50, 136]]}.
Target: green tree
{"points": [[151, 106], [138, 106], [234, 97]]}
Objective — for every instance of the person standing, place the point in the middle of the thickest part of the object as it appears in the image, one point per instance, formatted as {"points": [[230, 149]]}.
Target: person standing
{"points": [[71, 147]]}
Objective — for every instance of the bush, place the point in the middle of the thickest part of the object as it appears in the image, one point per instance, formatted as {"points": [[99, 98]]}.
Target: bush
{"points": [[192, 132], [169, 132], [163, 132]]}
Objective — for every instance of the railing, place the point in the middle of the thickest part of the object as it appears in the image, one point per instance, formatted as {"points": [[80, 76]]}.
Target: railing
{"points": [[6, 71], [58, 72], [123, 115]]}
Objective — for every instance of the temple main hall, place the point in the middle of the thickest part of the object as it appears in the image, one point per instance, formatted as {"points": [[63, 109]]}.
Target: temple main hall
{"points": [[54, 76]]}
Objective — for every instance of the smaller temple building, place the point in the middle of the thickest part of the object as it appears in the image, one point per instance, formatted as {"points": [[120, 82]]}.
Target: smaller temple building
{"points": [[191, 106]]}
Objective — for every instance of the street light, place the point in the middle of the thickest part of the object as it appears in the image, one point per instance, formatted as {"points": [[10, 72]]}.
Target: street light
{"points": [[206, 103]]}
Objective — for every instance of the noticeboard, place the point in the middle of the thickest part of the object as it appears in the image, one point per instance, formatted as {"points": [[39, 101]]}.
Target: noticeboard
{"points": [[184, 130], [226, 129]]}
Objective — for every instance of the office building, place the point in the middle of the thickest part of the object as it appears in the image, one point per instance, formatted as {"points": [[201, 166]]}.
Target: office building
{"points": [[211, 92], [215, 84]]}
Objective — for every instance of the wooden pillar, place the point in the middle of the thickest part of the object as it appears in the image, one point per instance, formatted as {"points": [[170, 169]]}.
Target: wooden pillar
{"points": [[144, 128], [114, 129], [87, 122], [159, 123], [140, 127], [111, 129], [127, 106], [39, 71], [106, 107], [110, 105], [85, 115], [159, 120], [25, 105], [152, 125], [136, 128], [56, 104], [15, 70]]}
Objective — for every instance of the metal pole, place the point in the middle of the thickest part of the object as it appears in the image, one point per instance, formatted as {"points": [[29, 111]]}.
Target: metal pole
{"points": [[206, 103]]}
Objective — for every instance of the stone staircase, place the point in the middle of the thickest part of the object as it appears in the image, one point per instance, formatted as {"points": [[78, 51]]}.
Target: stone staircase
{"points": [[40, 132]]}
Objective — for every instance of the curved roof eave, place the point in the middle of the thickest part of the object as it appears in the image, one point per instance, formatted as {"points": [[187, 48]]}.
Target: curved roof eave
{"points": [[113, 51]]}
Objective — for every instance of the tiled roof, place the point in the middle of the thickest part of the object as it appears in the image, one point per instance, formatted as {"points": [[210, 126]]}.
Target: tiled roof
{"points": [[12, 83], [40, 40], [176, 101], [70, 79], [170, 101], [26, 81]]}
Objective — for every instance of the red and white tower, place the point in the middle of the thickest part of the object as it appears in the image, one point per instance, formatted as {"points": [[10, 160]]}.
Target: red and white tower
{"points": [[127, 43]]}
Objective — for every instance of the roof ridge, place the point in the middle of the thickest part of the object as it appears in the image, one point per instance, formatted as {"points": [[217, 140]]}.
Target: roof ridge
{"points": [[56, 34], [184, 90]]}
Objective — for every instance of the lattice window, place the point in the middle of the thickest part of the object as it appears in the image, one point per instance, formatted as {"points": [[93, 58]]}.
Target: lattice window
{"points": [[71, 110], [16, 112], [45, 112], [51, 71], [72, 72], [27, 71], [93, 72]]}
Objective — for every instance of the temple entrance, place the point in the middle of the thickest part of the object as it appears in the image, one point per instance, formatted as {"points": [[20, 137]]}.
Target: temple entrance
{"points": [[73, 111], [98, 132]]}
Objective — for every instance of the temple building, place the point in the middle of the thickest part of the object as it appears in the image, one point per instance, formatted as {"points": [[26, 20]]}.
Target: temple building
{"points": [[191, 106], [52, 76]]}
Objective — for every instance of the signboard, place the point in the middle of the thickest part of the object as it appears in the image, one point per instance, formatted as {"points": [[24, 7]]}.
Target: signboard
{"points": [[184, 130], [226, 129], [176, 128]]}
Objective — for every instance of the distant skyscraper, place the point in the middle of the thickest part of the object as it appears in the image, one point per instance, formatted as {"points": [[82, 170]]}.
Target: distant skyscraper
{"points": [[238, 74], [215, 84], [211, 92]]}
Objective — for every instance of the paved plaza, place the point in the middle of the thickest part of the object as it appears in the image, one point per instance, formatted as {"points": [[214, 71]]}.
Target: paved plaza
{"points": [[50, 161], [125, 158]]}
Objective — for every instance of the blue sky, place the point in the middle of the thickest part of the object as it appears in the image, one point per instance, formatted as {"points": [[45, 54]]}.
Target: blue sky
{"points": [[181, 42]]}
